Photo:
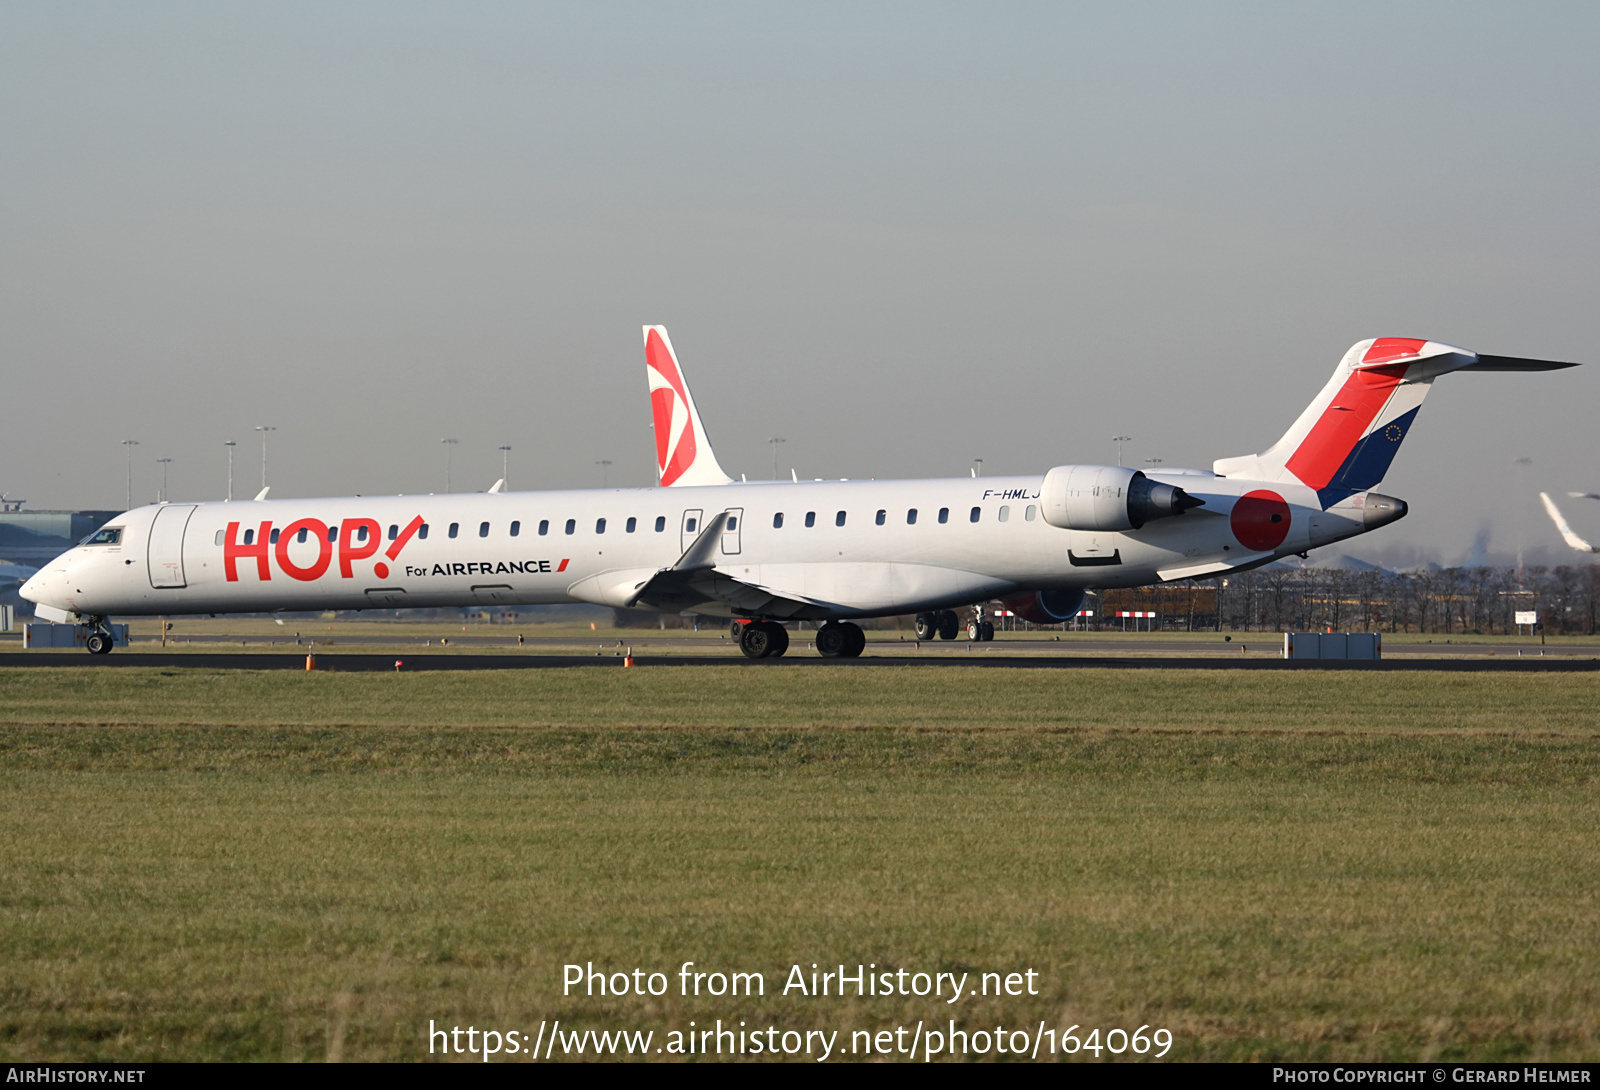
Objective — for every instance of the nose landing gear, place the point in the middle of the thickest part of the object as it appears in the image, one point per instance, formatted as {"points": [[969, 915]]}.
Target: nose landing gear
{"points": [[99, 641]]}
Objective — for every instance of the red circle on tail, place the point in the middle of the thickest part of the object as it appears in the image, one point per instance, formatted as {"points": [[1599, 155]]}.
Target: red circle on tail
{"points": [[1260, 520]]}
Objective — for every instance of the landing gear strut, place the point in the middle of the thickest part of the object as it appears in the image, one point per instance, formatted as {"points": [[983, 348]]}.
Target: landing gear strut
{"points": [[978, 629], [762, 639], [99, 641], [840, 640]]}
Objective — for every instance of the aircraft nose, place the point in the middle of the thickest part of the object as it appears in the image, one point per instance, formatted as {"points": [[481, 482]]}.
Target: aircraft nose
{"points": [[33, 588]]}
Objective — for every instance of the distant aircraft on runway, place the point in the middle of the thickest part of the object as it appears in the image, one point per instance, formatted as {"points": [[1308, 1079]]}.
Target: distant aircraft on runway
{"points": [[770, 552]]}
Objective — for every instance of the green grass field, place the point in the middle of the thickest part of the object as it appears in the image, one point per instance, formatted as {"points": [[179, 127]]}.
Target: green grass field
{"points": [[242, 865]]}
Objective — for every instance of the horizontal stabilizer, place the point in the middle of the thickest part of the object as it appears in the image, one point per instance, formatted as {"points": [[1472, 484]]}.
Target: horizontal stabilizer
{"points": [[1514, 363]]}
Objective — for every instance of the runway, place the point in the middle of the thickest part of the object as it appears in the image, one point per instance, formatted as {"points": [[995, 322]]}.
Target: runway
{"points": [[365, 663]]}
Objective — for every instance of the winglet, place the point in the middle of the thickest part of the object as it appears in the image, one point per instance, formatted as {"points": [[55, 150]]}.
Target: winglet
{"points": [[702, 551], [1567, 535], [263, 493], [683, 453], [495, 488]]}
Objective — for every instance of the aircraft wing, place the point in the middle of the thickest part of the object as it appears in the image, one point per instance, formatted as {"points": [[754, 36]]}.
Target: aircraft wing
{"points": [[1567, 535]]}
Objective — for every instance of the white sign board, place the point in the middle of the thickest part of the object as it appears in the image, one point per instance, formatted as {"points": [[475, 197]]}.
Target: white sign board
{"points": [[1529, 617]]}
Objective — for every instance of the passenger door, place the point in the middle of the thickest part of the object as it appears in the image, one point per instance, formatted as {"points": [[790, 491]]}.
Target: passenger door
{"points": [[691, 529]]}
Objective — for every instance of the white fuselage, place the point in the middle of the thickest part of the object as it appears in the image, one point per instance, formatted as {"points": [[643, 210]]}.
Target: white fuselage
{"points": [[598, 546]]}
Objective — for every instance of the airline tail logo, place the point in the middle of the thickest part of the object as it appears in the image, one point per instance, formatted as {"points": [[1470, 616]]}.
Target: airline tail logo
{"points": [[1345, 440], [669, 402], [683, 455]]}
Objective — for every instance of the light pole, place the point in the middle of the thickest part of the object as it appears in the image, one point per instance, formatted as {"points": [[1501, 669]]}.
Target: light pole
{"points": [[1119, 440], [774, 441], [505, 461], [449, 445], [1524, 464], [230, 444], [128, 445], [605, 472], [161, 497], [263, 429]]}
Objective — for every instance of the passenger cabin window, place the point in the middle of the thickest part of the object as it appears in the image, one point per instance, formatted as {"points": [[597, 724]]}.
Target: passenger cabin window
{"points": [[838, 520], [691, 524], [777, 521], [1029, 512], [544, 527], [275, 534], [911, 517], [302, 535], [1005, 513], [455, 527], [811, 519], [881, 516], [599, 526], [733, 522], [974, 516], [516, 528], [572, 526], [422, 532], [661, 523], [333, 533], [249, 537], [944, 515], [483, 529], [394, 531], [111, 535], [86, 541], [633, 524]]}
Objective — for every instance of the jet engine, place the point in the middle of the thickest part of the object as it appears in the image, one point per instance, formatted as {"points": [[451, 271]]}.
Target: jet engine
{"points": [[1108, 498], [1046, 606]]}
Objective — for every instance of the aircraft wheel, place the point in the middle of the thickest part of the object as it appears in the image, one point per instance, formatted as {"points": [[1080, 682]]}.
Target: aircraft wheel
{"points": [[986, 631], [856, 640], [756, 641], [736, 629], [948, 624], [779, 636], [97, 643], [974, 631], [832, 639], [927, 626]]}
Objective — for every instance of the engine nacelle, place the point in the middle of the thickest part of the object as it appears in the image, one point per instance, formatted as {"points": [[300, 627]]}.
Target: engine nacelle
{"points": [[1046, 606], [1108, 498]]}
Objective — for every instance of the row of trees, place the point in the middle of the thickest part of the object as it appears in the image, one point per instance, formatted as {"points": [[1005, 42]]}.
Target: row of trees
{"points": [[1447, 600]]}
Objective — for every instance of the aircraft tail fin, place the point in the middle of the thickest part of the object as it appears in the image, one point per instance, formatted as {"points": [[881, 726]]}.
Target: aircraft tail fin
{"points": [[1345, 440], [683, 452], [1572, 539]]}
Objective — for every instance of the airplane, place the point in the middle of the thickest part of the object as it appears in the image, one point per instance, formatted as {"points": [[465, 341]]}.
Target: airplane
{"points": [[768, 553], [1572, 539]]}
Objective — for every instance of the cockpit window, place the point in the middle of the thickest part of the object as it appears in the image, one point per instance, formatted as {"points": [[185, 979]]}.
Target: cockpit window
{"points": [[111, 535]]}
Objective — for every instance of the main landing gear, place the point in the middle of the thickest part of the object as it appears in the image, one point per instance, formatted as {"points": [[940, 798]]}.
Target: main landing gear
{"points": [[840, 640], [769, 639], [761, 639], [946, 626], [942, 624]]}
